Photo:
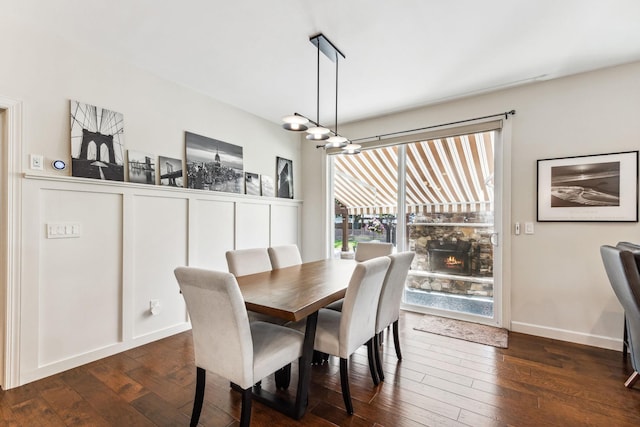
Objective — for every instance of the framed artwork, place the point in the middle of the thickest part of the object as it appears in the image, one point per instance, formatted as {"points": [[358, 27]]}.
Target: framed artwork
{"points": [[284, 178], [252, 183], [213, 165], [599, 187], [170, 171], [97, 142], [266, 186], [142, 167]]}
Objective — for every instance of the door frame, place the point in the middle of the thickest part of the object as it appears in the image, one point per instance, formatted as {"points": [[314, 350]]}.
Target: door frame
{"points": [[10, 259]]}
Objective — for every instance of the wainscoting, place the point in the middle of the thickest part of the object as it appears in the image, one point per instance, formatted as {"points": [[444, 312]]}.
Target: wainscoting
{"points": [[88, 296]]}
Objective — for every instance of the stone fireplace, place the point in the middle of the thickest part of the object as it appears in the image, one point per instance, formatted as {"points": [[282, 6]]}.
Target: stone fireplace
{"points": [[449, 257]]}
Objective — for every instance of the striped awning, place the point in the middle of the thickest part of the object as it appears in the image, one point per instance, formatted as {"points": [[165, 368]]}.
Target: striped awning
{"points": [[442, 175]]}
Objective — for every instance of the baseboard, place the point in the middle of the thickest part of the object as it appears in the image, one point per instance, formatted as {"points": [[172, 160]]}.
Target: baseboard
{"points": [[82, 359], [569, 336]]}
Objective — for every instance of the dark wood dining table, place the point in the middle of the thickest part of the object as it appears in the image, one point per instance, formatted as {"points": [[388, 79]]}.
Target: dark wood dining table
{"points": [[295, 293]]}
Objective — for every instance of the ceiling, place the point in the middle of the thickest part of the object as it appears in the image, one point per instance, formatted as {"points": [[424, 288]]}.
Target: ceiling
{"points": [[256, 54]]}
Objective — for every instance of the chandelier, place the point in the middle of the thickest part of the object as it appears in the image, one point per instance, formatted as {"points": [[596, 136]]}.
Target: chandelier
{"points": [[315, 131]]}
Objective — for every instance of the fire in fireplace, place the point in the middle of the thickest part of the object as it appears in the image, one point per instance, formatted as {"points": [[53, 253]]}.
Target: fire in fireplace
{"points": [[449, 257]]}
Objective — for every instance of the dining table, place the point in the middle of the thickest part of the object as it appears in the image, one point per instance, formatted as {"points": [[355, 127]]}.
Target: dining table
{"points": [[292, 294]]}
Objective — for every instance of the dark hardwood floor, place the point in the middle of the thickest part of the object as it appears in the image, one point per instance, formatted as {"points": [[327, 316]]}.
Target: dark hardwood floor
{"points": [[440, 382]]}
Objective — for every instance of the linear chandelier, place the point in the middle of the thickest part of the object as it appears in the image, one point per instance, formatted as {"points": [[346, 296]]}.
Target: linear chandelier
{"points": [[300, 123]]}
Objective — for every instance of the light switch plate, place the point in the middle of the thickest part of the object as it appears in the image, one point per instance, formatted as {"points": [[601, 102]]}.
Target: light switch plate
{"points": [[36, 162], [528, 228], [63, 230]]}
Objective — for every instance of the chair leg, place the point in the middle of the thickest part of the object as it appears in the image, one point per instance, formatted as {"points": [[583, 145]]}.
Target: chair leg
{"points": [[245, 412], [201, 376], [376, 353], [372, 361], [344, 383], [283, 377], [396, 340], [632, 379]]}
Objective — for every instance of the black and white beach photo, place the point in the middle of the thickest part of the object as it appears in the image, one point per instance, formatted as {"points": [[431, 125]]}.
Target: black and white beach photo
{"points": [[595, 184]]}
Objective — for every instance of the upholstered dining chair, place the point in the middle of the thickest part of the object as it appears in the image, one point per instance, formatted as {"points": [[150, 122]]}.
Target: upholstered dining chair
{"points": [[225, 342], [341, 333], [624, 277], [389, 304], [242, 262], [284, 256], [248, 261], [369, 250], [635, 250]]}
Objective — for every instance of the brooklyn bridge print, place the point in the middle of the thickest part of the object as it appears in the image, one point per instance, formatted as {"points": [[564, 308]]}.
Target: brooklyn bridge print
{"points": [[97, 142]]}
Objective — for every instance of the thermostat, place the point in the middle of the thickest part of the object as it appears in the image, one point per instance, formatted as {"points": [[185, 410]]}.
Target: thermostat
{"points": [[58, 165]]}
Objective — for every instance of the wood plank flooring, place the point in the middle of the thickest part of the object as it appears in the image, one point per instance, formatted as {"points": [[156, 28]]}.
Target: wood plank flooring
{"points": [[440, 382]]}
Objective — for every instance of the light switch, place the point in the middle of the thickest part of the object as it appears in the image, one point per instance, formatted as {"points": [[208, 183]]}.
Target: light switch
{"points": [[528, 228], [63, 230]]}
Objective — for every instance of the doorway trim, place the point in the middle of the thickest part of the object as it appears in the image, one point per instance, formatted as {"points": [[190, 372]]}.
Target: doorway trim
{"points": [[11, 183]]}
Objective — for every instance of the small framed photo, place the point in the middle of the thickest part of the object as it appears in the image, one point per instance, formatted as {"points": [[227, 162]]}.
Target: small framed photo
{"points": [[594, 188], [252, 183], [266, 185], [284, 178]]}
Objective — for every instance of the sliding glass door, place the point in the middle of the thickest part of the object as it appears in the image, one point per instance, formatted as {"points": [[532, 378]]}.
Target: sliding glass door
{"points": [[435, 197]]}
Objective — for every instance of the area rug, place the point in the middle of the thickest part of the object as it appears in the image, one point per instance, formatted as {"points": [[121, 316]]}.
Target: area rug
{"points": [[474, 332]]}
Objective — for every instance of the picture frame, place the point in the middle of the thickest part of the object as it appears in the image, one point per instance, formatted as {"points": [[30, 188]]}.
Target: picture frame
{"points": [[142, 167], [284, 178], [213, 165], [266, 186], [591, 188], [252, 184]]}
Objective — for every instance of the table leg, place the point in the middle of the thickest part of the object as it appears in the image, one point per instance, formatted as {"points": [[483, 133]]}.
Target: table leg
{"points": [[295, 409]]}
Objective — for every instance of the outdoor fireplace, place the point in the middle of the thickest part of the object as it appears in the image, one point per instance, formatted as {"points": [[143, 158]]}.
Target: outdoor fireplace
{"points": [[449, 257]]}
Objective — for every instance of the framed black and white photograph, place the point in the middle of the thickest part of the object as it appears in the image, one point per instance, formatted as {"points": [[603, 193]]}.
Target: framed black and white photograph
{"points": [[142, 167], [97, 142], [170, 171], [284, 178], [213, 165], [266, 186], [252, 183], [599, 187]]}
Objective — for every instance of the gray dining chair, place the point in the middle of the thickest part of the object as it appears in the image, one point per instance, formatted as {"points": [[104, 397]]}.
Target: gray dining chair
{"points": [[635, 250], [389, 304], [624, 277], [341, 333], [225, 342], [242, 262], [248, 261], [368, 250], [284, 256]]}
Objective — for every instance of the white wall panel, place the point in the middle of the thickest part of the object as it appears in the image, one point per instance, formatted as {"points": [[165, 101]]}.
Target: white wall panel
{"points": [[80, 278], [160, 245], [284, 220], [252, 225], [211, 229]]}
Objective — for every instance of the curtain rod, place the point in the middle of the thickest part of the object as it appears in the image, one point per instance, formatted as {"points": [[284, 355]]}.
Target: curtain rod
{"points": [[506, 115]]}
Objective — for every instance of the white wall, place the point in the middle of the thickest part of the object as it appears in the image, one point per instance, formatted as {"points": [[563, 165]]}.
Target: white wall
{"points": [[558, 285], [88, 297]]}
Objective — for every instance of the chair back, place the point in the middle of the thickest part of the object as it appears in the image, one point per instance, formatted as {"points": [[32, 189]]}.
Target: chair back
{"points": [[242, 262], [392, 288], [358, 320], [624, 277], [220, 326], [631, 247], [368, 250], [284, 256]]}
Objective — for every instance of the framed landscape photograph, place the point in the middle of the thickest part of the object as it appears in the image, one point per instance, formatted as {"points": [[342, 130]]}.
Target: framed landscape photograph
{"points": [[252, 183], [213, 165], [266, 186], [142, 167], [598, 188], [170, 171], [284, 178]]}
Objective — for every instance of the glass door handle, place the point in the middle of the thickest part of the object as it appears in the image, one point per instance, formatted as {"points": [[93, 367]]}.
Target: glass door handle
{"points": [[494, 239]]}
